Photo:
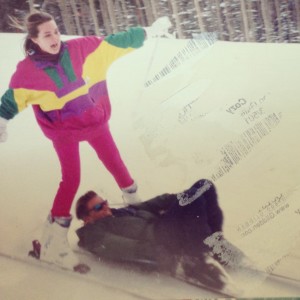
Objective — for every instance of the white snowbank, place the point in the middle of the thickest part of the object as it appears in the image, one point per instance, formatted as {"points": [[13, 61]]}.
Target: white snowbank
{"points": [[227, 112]]}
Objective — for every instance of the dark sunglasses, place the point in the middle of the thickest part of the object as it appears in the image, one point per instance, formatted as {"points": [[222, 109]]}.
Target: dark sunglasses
{"points": [[99, 206]]}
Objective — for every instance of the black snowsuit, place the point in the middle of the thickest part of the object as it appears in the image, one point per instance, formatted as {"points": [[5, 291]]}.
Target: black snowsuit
{"points": [[154, 231]]}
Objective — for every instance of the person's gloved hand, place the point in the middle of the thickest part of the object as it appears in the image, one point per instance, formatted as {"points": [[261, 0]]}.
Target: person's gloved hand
{"points": [[159, 28], [3, 133]]}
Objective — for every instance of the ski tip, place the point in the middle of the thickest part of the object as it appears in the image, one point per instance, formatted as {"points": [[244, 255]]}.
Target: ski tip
{"points": [[81, 268], [31, 253], [36, 251]]}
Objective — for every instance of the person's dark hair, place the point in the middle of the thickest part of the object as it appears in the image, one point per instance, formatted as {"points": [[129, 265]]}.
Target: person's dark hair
{"points": [[31, 23], [30, 26], [81, 204]]}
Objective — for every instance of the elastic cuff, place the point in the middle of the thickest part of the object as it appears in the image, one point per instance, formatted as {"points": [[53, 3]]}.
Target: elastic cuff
{"points": [[130, 189]]}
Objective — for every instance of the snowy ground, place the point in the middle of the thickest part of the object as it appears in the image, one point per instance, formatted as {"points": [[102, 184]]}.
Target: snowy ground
{"points": [[228, 112]]}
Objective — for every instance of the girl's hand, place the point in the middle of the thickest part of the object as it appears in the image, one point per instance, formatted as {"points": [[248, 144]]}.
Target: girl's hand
{"points": [[160, 28]]}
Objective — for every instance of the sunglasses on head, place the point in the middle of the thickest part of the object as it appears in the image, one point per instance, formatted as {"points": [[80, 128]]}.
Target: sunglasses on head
{"points": [[99, 206]]}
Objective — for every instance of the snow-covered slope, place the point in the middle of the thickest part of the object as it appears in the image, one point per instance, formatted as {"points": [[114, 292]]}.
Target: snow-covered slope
{"points": [[228, 112]]}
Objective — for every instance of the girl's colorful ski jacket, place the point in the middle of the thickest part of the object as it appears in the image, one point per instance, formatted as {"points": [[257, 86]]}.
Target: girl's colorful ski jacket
{"points": [[69, 96]]}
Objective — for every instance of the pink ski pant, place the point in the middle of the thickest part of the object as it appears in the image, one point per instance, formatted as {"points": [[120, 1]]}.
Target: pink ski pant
{"points": [[68, 154]]}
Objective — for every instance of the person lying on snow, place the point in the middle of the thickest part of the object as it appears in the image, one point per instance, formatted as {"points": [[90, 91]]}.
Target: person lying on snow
{"points": [[171, 233]]}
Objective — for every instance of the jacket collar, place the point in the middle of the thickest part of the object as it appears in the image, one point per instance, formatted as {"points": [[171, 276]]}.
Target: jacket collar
{"points": [[44, 60]]}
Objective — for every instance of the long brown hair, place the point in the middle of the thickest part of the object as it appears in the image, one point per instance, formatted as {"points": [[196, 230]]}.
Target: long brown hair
{"points": [[32, 21]]}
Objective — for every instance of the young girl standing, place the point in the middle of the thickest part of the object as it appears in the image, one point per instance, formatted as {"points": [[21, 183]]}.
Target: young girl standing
{"points": [[65, 82]]}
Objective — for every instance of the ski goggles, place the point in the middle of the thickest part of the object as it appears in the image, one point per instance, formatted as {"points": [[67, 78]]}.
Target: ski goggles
{"points": [[99, 206]]}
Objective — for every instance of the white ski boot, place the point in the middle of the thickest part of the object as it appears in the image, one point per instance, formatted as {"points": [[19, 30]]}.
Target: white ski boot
{"points": [[54, 247], [130, 195]]}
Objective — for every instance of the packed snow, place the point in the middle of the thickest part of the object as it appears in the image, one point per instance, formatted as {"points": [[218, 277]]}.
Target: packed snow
{"points": [[182, 110]]}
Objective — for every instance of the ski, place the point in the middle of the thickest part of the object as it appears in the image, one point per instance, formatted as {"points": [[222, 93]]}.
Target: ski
{"points": [[272, 275], [88, 276], [29, 260], [35, 253], [91, 277], [37, 263]]}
